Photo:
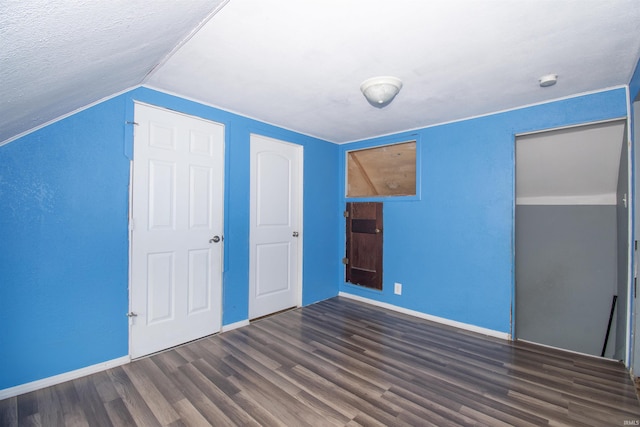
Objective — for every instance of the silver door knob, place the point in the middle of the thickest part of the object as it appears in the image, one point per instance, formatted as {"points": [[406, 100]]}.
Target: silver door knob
{"points": [[214, 239], [296, 234]]}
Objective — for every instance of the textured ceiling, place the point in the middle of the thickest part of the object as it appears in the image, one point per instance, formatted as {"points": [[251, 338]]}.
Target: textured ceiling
{"points": [[58, 56], [299, 64]]}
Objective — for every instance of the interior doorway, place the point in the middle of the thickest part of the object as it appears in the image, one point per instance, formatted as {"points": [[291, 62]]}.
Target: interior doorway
{"points": [[177, 207], [275, 233], [572, 238]]}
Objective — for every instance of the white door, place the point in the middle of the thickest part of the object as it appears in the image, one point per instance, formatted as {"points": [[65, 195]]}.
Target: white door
{"points": [[176, 242], [276, 226]]}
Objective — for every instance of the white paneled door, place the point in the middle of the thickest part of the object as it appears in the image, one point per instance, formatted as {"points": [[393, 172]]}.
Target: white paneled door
{"points": [[177, 223], [276, 226]]}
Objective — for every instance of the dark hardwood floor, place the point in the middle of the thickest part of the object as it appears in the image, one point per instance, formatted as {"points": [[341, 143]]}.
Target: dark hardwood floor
{"points": [[342, 363]]}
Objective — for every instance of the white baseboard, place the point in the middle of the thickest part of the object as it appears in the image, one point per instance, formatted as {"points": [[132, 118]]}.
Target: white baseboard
{"points": [[58, 379], [72, 375], [552, 347], [456, 324], [236, 325]]}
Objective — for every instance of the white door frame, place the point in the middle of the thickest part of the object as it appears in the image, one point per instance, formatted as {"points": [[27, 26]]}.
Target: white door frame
{"points": [[630, 236], [131, 218], [299, 207], [634, 181]]}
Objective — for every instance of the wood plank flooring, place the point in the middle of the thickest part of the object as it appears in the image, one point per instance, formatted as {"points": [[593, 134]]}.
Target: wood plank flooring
{"points": [[341, 363]]}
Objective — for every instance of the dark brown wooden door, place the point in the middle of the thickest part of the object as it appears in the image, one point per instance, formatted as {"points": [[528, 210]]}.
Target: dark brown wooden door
{"points": [[364, 244]]}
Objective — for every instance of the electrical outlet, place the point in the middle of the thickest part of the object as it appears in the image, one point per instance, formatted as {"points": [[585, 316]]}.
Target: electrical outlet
{"points": [[397, 288]]}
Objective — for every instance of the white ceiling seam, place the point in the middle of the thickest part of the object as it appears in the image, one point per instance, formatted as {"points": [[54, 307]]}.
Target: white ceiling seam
{"points": [[184, 40], [208, 104]]}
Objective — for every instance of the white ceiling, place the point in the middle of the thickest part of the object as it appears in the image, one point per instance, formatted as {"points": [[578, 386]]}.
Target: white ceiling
{"points": [[576, 166], [59, 56], [299, 64]]}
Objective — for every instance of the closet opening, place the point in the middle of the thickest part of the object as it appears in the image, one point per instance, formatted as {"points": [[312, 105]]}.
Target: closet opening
{"points": [[572, 238]]}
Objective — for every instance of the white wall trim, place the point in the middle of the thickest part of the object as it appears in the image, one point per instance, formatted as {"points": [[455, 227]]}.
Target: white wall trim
{"points": [[442, 320], [507, 110], [593, 356], [58, 379], [591, 199], [236, 325], [69, 114], [573, 126], [631, 262], [148, 85]]}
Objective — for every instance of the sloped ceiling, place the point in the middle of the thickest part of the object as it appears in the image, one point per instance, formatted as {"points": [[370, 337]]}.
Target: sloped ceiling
{"points": [[575, 166], [299, 64], [58, 56]]}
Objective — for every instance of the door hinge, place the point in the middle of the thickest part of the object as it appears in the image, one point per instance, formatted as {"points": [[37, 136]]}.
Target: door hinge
{"points": [[345, 260], [134, 126], [345, 214]]}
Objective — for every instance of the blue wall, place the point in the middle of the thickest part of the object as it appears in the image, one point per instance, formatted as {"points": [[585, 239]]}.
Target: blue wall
{"points": [[453, 249], [64, 246], [64, 239], [64, 243]]}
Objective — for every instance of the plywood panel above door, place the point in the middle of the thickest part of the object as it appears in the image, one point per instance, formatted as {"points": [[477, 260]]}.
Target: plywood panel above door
{"points": [[388, 170]]}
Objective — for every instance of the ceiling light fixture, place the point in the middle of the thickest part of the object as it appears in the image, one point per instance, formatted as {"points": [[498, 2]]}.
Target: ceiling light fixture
{"points": [[380, 91], [548, 80]]}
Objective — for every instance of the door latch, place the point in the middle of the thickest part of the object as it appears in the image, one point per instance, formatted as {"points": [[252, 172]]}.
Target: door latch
{"points": [[296, 234], [132, 314]]}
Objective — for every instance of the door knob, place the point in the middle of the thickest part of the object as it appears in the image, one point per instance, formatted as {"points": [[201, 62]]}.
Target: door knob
{"points": [[214, 239], [296, 234]]}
